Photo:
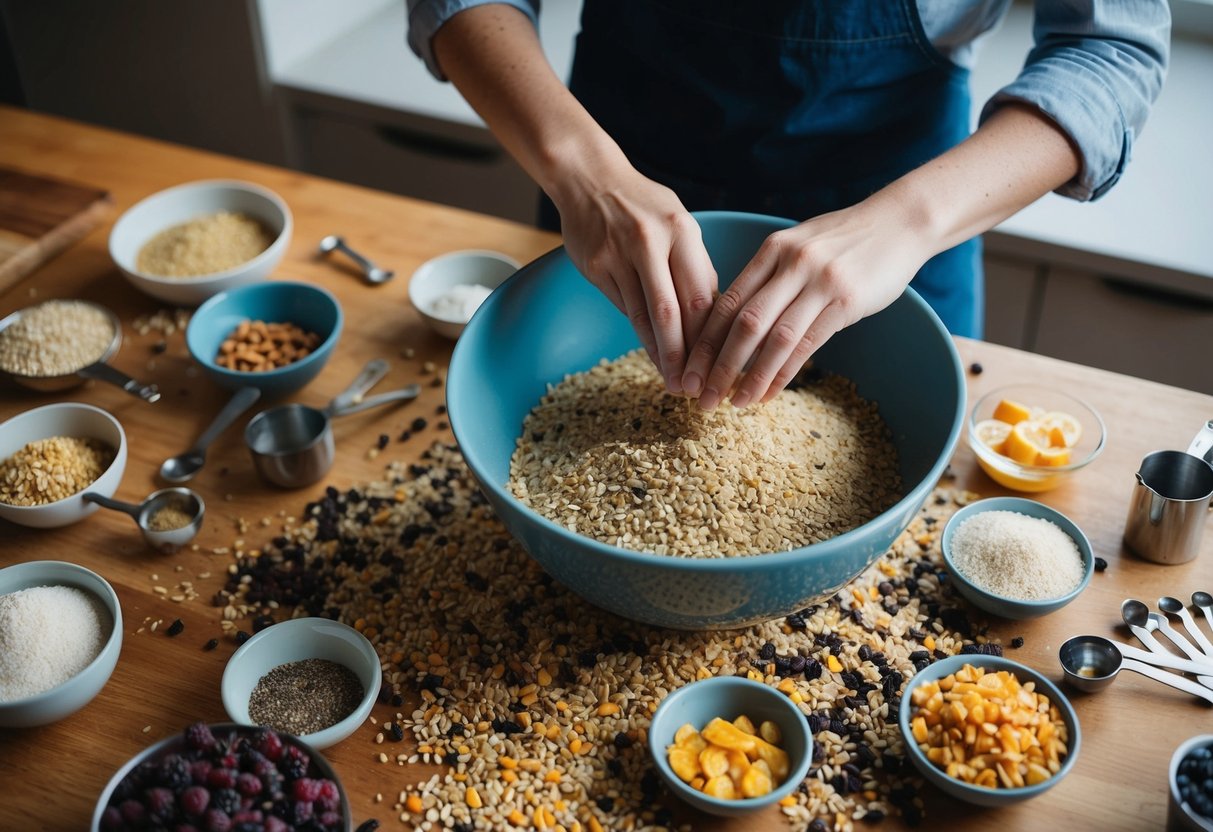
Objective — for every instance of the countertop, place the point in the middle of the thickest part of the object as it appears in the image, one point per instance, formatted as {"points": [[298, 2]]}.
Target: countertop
{"points": [[52, 775], [1151, 227]]}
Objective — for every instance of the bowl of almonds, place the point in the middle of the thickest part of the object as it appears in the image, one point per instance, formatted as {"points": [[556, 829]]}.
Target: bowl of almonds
{"points": [[275, 336], [730, 746]]}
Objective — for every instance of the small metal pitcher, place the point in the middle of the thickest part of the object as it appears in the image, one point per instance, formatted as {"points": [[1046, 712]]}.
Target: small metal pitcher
{"points": [[1171, 502]]}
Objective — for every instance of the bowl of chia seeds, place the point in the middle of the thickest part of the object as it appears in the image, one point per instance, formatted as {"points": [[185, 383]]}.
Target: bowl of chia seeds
{"points": [[311, 677]]}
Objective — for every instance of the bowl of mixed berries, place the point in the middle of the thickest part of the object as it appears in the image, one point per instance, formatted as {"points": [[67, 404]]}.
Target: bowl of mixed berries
{"points": [[225, 778]]}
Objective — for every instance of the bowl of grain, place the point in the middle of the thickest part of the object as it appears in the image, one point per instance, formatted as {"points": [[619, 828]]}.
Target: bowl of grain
{"points": [[1021, 705], [1016, 558], [51, 455], [311, 677], [275, 336], [186, 243], [660, 512], [60, 636]]}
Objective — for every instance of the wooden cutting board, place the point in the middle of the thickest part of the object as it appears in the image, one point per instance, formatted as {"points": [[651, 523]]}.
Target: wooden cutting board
{"points": [[40, 217]]}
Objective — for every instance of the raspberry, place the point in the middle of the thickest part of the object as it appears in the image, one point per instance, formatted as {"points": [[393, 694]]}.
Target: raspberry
{"points": [[248, 784], [111, 820], [217, 821], [221, 778], [230, 760], [247, 816], [194, 800], [299, 811], [329, 792], [133, 812], [307, 789], [226, 800], [274, 824], [199, 769], [268, 743], [198, 737], [331, 820], [160, 803]]}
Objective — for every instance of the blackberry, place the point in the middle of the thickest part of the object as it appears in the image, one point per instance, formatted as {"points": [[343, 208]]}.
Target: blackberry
{"points": [[175, 773], [294, 763], [160, 803], [217, 821], [226, 800], [198, 737]]}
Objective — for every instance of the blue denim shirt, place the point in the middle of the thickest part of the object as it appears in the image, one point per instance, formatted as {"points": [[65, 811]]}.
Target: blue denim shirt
{"points": [[1096, 68]]}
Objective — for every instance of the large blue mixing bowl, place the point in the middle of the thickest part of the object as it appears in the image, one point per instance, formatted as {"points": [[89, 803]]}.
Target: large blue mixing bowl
{"points": [[547, 321]]}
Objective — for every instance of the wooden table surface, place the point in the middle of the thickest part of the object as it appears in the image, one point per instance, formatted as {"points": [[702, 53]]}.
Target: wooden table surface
{"points": [[50, 777]]}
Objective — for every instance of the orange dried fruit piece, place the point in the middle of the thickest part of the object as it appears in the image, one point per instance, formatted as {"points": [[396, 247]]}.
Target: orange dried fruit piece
{"points": [[738, 764], [728, 735], [754, 783], [684, 733], [1012, 412], [714, 761], [721, 787], [770, 732], [684, 762], [776, 759], [744, 723]]}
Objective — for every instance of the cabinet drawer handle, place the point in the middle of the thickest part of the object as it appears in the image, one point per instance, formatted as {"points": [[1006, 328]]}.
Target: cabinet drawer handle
{"points": [[428, 144], [1156, 294]]}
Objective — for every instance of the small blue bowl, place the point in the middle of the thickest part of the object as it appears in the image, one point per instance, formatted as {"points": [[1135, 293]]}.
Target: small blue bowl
{"points": [[967, 792], [309, 307], [1000, 605], [729, 697], [548, 321]]}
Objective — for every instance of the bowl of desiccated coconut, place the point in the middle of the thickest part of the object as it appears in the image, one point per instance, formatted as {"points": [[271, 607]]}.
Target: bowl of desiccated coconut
{"points": [[51, 455], [662, 512]]}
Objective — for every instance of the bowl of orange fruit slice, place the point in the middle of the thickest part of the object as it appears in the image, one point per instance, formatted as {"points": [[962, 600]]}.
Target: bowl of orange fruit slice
{"points": [[1031, 438]]}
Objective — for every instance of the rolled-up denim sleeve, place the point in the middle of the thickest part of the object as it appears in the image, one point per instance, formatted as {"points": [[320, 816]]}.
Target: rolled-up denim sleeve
{"points": [[1096, 68], [426, 17]]}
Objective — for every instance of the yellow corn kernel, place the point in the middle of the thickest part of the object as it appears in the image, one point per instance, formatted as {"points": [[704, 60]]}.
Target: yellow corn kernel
{"points": [[413, 804], [552, 776], [509, 776], [595, 826], [575, 745], [608, 709], [785, 686], [516, 818], [703, 673], [790, 800], [543, 677], [721, 787], [472, 797], [728, 735], [538, 819], [929, 642], [834, 665], [770, 732], [507, 762]]}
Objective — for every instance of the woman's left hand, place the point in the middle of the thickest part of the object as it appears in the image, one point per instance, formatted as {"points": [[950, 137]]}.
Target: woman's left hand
{"points": [[804, 284]]}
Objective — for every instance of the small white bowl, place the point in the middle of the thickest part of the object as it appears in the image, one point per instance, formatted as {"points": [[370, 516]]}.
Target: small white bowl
{"points": [[70, 696], [63, 419], [471, 267], [165, 209], [294, 641]]}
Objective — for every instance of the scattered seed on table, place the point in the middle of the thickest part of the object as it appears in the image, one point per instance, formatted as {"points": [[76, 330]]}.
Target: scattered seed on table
{"points": [[1017, 642], [211, 645], [384, 439], [440, 409], [1100, 564], [437, 382], [976, 369], [242, 636], [372, 824], [418, 424], [405, 436], [175, 628], [443, 425], [428, 367]]}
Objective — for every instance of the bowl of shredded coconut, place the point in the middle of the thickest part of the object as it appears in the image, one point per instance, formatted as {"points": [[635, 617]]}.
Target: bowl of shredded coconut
{"points": [[448, 289], [184, 244], [60, 635], [1016, 558]]}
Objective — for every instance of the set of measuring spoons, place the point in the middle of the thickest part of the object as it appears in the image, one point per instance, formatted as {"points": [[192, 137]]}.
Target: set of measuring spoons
{"points": [[1091, 662]]}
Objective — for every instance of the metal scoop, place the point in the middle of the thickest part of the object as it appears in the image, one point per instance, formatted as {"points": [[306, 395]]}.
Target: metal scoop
{"points": [[1174, 606], [184, 466], [292, 444], [1090, 663], [370, 271], [183, 500], [1143, 624], [98, 370]]}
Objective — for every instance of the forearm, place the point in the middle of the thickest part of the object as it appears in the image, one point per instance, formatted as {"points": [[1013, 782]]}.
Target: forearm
{"points": [[493, 56], [1017, 156]]}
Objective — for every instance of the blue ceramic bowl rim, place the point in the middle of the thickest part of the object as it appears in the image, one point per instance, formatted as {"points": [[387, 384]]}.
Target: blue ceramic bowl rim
{"points": [[916, 494], [1001, 461], [208, 306], [1016, 504], [172, 741], [1024, 673], [112, 605], [706, 687]]}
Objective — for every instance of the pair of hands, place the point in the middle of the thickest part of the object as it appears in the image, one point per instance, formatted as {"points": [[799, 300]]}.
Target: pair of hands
{"points": [[634, 240]]}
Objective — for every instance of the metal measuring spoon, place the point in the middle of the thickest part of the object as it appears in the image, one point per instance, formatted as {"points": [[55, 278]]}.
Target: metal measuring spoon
{"points": [[1204, 601], [1174, 606], [373, 273], [1090, 663], [1138, 618], [185, 465], [167, 541]]}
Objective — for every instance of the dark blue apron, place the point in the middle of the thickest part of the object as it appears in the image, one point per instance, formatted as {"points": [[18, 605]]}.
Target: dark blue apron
{"points": [[784, 107]]}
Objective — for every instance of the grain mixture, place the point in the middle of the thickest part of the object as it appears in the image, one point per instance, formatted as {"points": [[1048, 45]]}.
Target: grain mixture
{"points": [[55, 338], [47, 470], [204, 245], [609, 454], [533, 707]]}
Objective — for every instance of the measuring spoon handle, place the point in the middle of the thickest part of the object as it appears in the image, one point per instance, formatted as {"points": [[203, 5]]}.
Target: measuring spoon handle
{"points": [[104, 372], [1177, 682], [1193, 629], [241, 400], [109, 502], [404, 394], [372, 373]]}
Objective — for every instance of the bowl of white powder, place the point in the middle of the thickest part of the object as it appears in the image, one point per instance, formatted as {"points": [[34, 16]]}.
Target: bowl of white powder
{"points": [[448, 289], [1016, 558], [60, 636]]}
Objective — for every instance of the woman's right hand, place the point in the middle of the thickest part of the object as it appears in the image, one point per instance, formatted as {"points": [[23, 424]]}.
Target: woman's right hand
{"points": [[633, 239]]}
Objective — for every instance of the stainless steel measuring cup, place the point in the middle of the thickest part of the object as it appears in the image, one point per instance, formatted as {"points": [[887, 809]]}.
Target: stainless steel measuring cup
{"points": [[292, 444], [175, 505], [99, 369], [1171, 502]]}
